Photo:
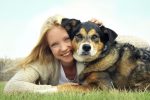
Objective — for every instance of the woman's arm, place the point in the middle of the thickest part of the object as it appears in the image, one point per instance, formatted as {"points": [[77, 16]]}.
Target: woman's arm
{"points": [[24, 81]]}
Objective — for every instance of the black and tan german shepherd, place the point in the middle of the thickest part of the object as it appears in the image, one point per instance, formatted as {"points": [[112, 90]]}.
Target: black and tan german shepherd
{"points": [[108, 64]]}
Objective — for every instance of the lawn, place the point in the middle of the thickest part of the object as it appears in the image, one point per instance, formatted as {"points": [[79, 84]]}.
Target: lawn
{"points": [[94, 95]]}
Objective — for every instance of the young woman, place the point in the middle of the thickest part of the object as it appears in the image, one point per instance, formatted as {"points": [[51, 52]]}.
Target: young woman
{"points": [[50, 63]]}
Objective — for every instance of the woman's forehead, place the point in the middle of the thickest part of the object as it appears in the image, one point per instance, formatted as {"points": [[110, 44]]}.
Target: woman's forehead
{"points": [[57, 32]]}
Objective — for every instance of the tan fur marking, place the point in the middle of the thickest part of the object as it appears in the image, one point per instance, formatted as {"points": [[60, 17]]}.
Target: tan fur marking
{"points": [[83, 31], [74, 45], [91, 32], [93, 76], [126, 65]]}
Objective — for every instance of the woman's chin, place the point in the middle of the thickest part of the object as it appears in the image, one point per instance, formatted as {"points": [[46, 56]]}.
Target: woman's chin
{"points": [[67, 59]]}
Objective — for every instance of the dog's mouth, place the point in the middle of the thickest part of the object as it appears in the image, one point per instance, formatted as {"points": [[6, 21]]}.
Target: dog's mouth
{"points": [[84, 57], [84, 53]]}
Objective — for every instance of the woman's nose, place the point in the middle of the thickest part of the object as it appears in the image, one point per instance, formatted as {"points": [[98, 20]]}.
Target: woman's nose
{"points": [[64, 47]]}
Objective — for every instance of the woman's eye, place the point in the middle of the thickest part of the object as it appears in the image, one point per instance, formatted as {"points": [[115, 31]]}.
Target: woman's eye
{"points": [[67, 39], [54, 44]]}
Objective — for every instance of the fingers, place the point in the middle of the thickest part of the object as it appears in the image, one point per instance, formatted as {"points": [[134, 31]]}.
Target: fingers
{"points": [[96, 21]]}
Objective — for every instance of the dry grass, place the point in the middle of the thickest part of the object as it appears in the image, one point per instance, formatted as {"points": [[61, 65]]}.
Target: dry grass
{"points": [[7, 68]]}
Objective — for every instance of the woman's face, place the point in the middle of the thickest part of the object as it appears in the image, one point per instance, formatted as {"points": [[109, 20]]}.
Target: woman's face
{"points": [[60, 44]]}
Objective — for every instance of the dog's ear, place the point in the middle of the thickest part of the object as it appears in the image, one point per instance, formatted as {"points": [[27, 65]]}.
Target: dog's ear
{"points": [[109, 35], [71, 26]]}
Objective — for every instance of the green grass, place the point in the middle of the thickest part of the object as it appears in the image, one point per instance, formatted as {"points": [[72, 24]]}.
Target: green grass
{"points": [[94, 95]]}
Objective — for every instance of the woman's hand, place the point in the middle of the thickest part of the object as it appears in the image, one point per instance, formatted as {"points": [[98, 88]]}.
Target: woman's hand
{"points": [[96, 21]]}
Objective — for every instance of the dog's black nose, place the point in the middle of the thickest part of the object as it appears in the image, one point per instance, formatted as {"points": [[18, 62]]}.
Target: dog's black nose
{"points": [[86, 47]]}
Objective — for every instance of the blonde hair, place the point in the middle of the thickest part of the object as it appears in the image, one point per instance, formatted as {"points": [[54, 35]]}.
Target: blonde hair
{"points": [[41, 52]]}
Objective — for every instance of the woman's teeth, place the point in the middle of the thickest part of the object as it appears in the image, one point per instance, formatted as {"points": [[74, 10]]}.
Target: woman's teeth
{"points": [[66, 54]]}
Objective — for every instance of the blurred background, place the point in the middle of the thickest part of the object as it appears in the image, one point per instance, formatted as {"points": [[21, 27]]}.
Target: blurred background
{"points": [[21, 20]]}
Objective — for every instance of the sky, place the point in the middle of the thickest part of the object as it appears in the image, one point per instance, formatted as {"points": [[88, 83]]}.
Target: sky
{"points": [[21, 20]]}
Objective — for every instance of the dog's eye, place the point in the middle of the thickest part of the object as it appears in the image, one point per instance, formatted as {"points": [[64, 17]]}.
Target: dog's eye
{"points": [[95, 38], [78, 37]]}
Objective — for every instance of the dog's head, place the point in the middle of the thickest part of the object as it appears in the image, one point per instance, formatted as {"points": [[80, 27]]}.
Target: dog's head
{"points": [[89, 40]]}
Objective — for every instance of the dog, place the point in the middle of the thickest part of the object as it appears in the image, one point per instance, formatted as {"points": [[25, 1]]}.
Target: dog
{"points": [[108, 64]]}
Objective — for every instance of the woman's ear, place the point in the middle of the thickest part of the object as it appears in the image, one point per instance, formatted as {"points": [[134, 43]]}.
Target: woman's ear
{"points": [[71, 26]]}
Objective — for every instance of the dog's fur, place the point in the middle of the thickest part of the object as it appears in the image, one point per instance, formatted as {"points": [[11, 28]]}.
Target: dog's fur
{"points": [[108, 64]]}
